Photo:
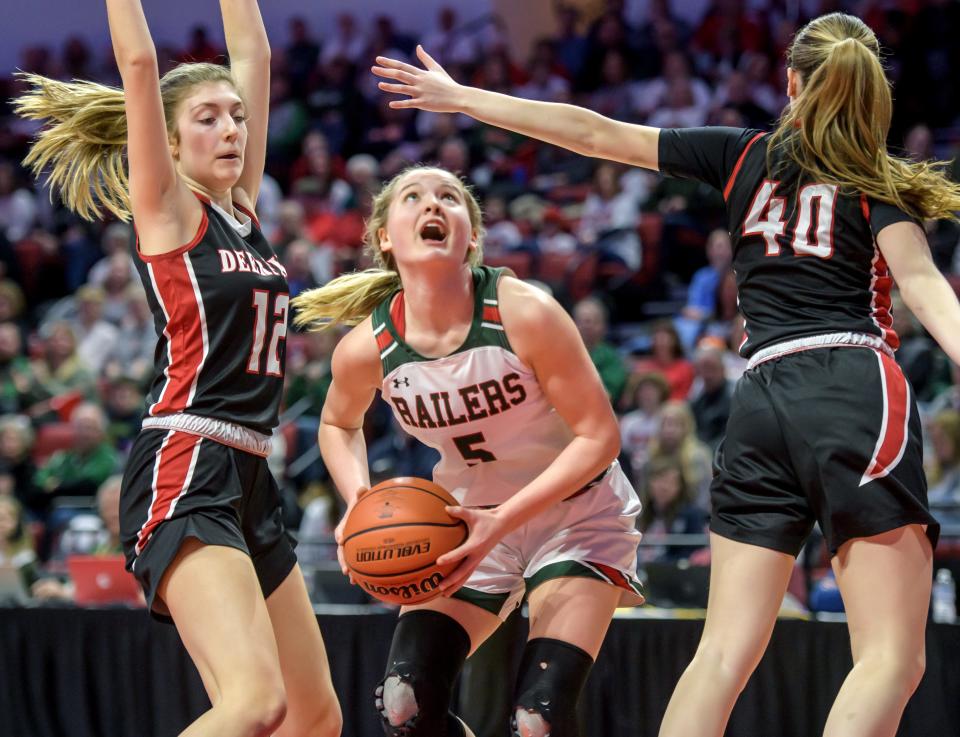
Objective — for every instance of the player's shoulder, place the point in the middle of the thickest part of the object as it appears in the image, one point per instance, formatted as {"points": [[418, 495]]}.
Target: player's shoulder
{"points": [[522, 303], [357, 356]]}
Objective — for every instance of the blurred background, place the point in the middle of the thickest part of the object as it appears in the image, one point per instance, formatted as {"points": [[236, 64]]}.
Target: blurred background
{"points": [[642, 263]]}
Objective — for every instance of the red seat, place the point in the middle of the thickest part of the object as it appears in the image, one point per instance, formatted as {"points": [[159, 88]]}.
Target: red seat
{"points": [[554, 267], [51, 438], [518, 263]]}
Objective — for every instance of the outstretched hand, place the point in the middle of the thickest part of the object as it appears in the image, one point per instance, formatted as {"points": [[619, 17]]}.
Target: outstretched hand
{"points": [[430, 88], [486, 527]]}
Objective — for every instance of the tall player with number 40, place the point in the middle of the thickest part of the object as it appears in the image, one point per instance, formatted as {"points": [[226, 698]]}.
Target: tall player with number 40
{"points": [[823, 427]]}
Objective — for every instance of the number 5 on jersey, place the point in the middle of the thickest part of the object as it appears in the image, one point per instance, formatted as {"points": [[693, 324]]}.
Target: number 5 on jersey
{"points": [[281, 303], [813, 231]]}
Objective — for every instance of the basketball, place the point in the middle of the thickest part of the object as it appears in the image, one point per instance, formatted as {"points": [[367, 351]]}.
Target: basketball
{"points": [[394, 535]]}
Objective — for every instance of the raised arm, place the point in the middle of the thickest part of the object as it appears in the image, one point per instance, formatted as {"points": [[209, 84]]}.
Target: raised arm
{"points": [[154, 184], [923, 288], [578, 129], [249, 52]]}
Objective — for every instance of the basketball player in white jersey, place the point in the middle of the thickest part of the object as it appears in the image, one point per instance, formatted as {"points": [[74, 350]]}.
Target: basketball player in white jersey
{"points": [[492, 373]]}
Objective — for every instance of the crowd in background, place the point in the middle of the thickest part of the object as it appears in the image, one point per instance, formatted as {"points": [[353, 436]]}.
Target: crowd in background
{"points": [[642, 262]]}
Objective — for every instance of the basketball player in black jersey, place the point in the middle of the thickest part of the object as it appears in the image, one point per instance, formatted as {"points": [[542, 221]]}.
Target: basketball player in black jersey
{"points": [[200, 514], [823, 426]]}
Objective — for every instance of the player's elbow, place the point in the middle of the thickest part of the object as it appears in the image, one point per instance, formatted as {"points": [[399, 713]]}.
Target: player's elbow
{"points": [[609, 441]]}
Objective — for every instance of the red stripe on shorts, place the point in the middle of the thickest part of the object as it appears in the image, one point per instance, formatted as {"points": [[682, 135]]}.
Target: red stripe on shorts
{"points": [[172, 473], [894, 426]]}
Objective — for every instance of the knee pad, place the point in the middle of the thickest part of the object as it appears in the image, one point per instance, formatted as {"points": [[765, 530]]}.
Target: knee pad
{"points": [[552, 676], [427, 653]]}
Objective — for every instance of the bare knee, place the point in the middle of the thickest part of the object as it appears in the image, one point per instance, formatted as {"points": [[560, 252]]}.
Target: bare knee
{"points": [[258, 712], [899, 666], [728, 665], [325, 722]]}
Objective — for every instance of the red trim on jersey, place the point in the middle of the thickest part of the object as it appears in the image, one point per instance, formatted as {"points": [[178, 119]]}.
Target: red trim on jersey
{"points": [[201, 231], [736, 168], [184, 332], [249, 213], [384, 339], [894, 426], [172, 473], [880, 302], [397, 315], [491, 313], [865, 208]]}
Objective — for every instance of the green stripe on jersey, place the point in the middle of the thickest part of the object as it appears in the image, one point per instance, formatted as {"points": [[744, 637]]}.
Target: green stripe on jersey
{"points": [[485, 330]]}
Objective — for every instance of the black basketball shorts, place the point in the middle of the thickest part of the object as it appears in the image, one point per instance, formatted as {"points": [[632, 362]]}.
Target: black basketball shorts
{"points": [[829, 435], [178, 485]]}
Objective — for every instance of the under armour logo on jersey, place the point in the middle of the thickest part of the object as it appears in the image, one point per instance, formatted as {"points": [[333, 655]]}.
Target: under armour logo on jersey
{"points": [[397, 382]]}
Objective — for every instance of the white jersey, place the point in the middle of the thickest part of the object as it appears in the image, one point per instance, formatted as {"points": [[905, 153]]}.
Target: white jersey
{"points": [[481, 407]]}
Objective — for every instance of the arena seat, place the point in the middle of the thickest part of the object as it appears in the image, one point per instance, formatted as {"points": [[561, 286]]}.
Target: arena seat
{"points": [[51, 438]]}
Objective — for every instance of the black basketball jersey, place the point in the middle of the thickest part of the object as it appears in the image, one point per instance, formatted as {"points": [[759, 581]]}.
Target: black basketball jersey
{"points": [[220, 308], [805, 252]]}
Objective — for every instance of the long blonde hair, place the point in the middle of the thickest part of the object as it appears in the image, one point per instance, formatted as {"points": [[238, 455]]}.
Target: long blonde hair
{"points": [[83, 144], [836, 128], [351, 298]]}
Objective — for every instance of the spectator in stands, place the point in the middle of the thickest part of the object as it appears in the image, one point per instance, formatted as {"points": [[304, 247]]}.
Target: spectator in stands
{"points": [[296, 260], [19, 388], [703, 293], [301, 55], [291, 226], [502, 233], [645, 394], [610, 217], [711, 395], [553, 234], [123, 405], [16, 461], [921, 359], [944, 474], [18, 206], [667, 357], [612, 97], [116, 238], [591, 317], [668, 509], [81, 469], [650, 96], [453, 44], [117, 280], [200, 48], [12, 302], [96, 336], [60, 369], [569, 43], [677, 439], [107, 540], [346, 42], [132, 354], [16, 545]]}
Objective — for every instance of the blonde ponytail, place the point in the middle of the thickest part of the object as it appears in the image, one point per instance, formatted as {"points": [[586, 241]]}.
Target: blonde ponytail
{"points": [[836, 128], [351, 298], [83, 146]]}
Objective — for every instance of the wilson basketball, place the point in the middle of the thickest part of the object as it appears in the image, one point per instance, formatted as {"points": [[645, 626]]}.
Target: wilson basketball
{"points": [[394, 535]]}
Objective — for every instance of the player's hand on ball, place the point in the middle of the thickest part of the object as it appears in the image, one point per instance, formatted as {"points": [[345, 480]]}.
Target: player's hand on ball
{"points": [[338, 536], [485, 527], [430, 88]]}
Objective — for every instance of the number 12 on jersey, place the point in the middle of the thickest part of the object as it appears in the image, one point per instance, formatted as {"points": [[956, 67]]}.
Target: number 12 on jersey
{"points": [[813, 230], [281, 303]]}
